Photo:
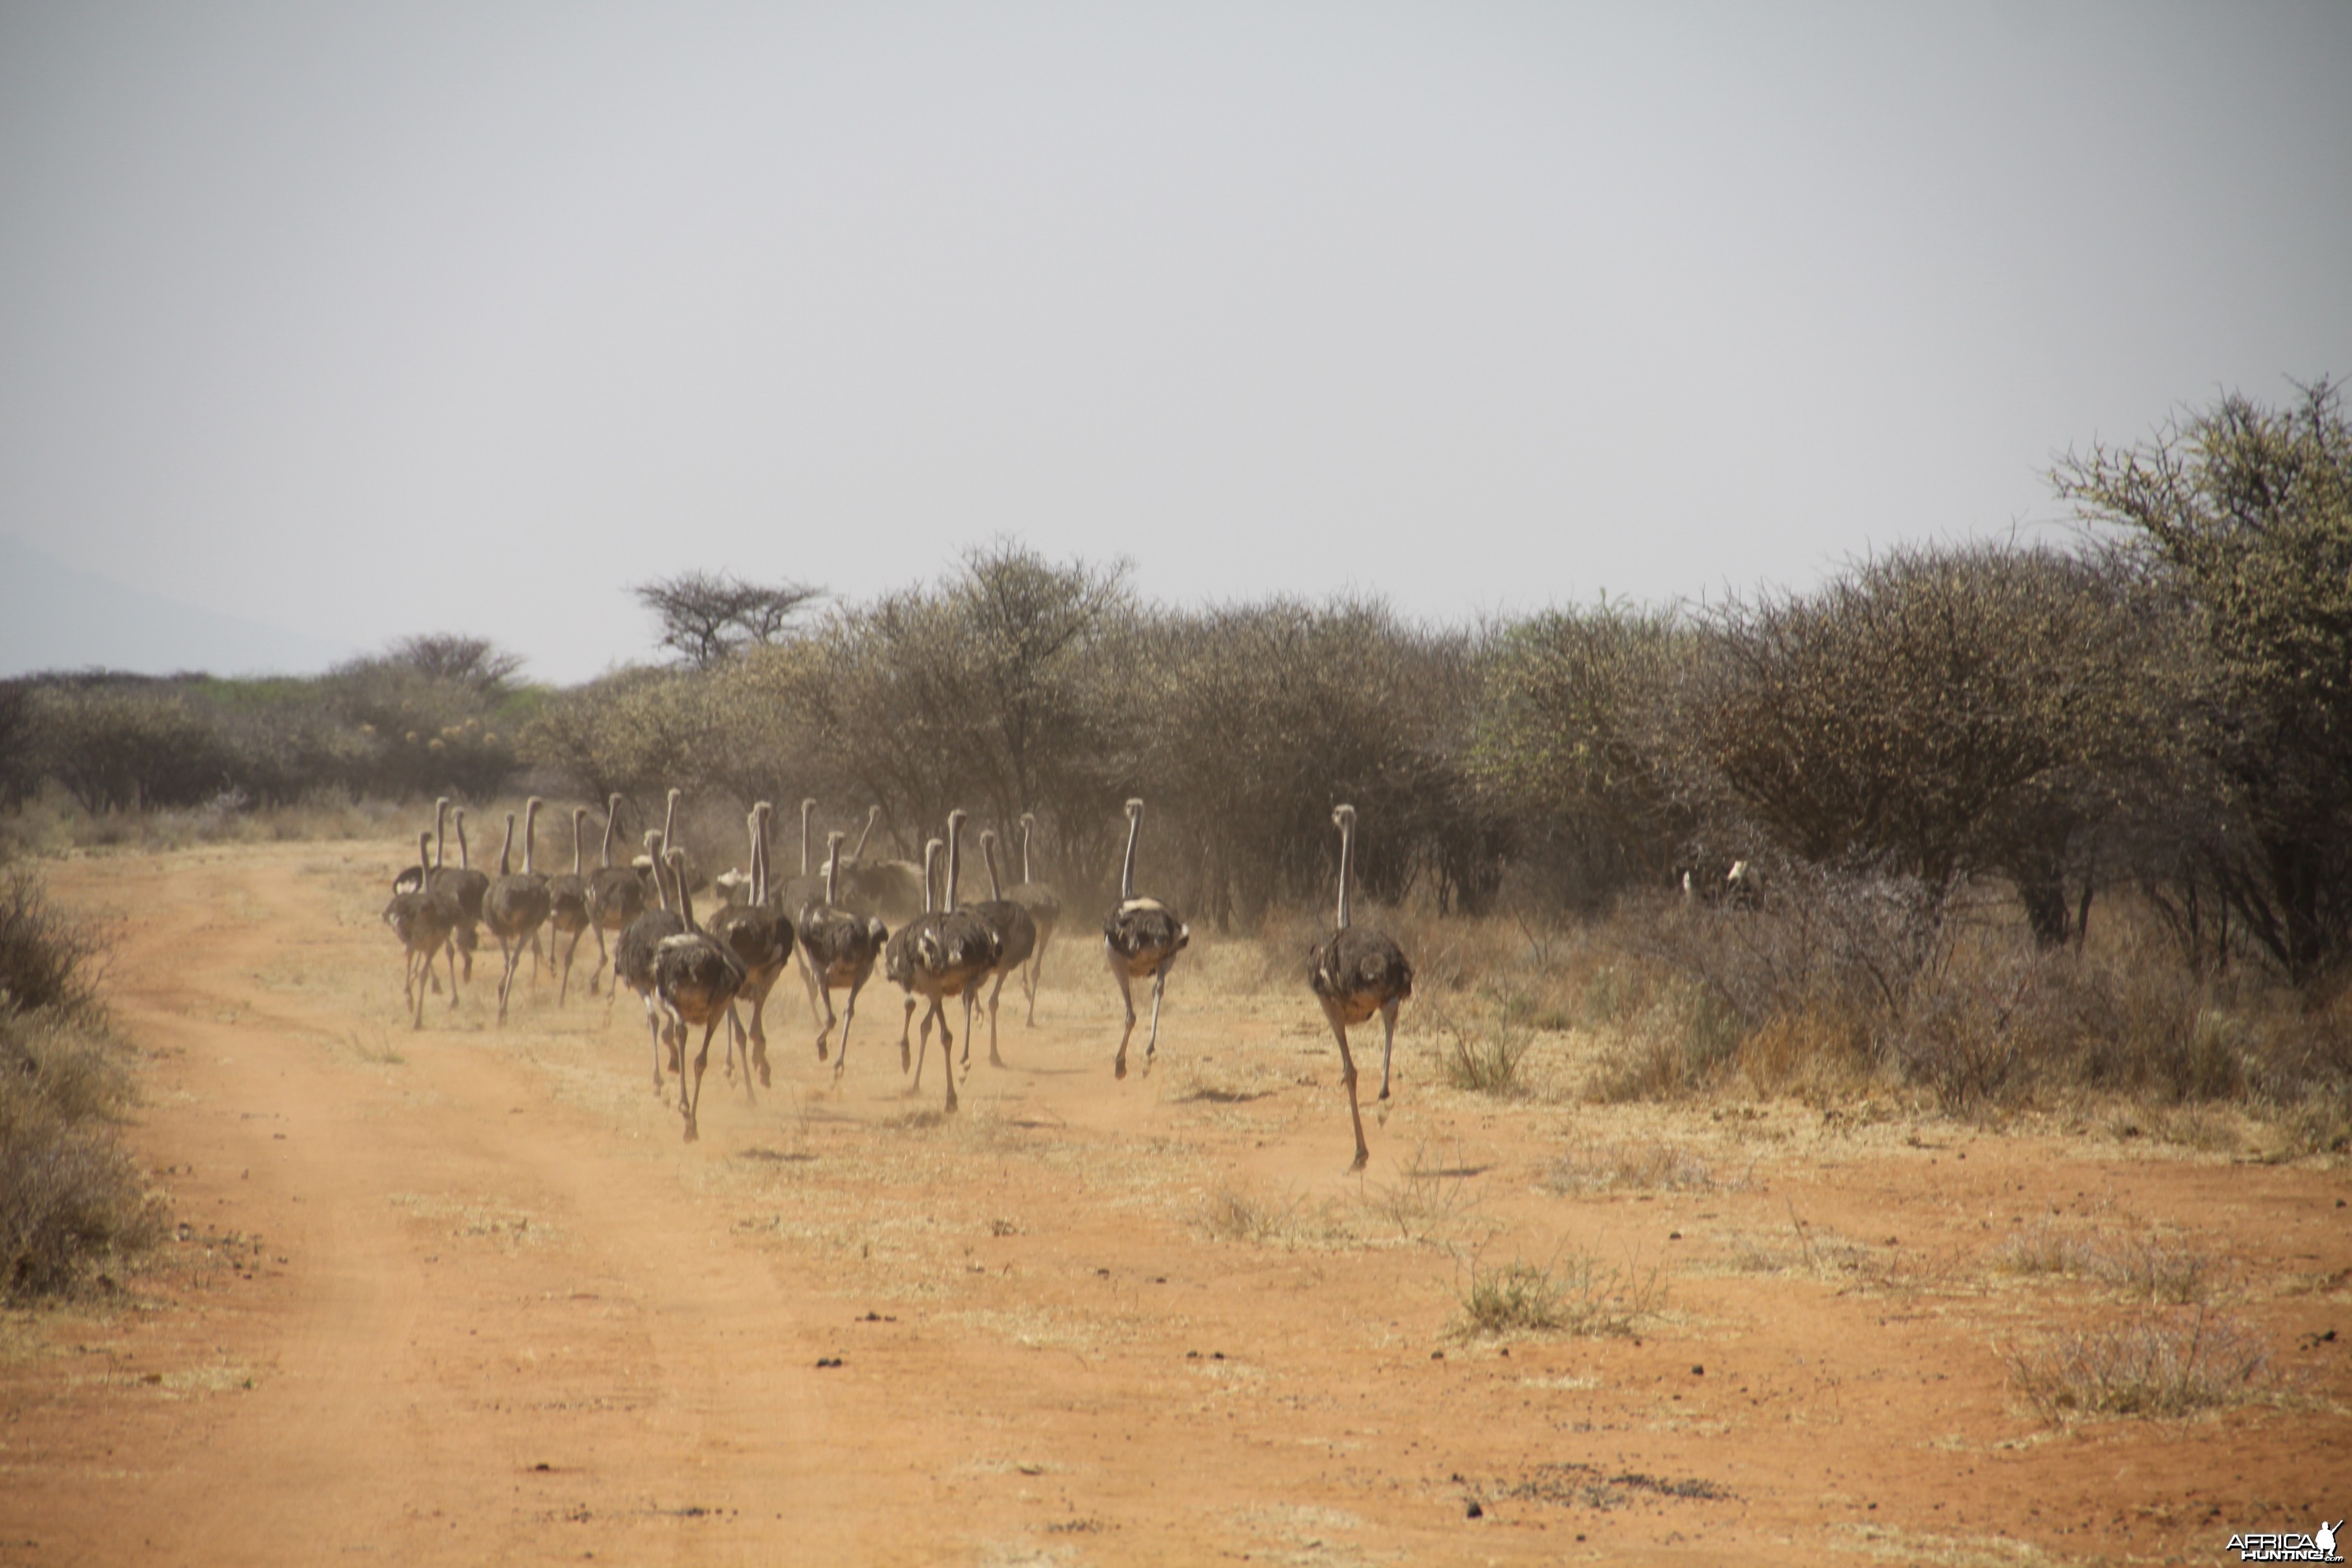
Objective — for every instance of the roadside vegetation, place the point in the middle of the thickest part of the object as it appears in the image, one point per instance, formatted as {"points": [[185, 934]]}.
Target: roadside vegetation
{"points": [[71, 1201]]}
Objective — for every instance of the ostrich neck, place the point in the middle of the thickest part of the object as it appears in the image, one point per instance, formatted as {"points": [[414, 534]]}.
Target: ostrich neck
{"points": [[440, 833], [833, 872], [988, 853], [684, 899], [930, 869], [578, 819], [1347, 864], [612, 814], [804, 830], [1127, 867], [530, 837], [1025, 875], [669, 819], [506, 849], [955, 861], [871, 814], [465, 860]]}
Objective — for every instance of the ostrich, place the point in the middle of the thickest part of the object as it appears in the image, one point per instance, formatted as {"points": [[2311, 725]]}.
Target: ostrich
{"points": [[840, 949], [898, 958], [1355, 975], [696, 978], [616, 895], [891, 888], [462, 883], [793, 898], [1016, 938], [517, 903], [415, 878], [949, 954], [762, 942], [633, 955], [1045, 907], [1140, 937], [568, 914], [423, 917]]}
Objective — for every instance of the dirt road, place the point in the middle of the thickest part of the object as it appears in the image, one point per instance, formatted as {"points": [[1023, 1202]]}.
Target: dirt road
{"points": [[464, 1295]]}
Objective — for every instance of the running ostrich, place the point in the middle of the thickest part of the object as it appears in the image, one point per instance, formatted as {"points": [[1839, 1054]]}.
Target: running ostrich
{"points": [[633, 955], [886, 887], [568, 915], [1045, 907], [461, 881], [423, 916], [950, 953], [517, 903], [1016, 938], [762, 942], [1140, 937], [616, 895], [794, 898], [899, 957], [1355, 975], [696, 979], [840, 949]]}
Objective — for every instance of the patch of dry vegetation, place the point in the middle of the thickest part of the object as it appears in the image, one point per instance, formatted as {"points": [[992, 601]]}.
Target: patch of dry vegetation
{"points": [[1575, 1294], [2159, 1365], [70, 1199]]}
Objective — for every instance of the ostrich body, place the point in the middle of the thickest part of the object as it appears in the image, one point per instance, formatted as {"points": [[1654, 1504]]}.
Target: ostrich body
{"points": [[423, 916], [517, 903], [1357, 974], [1016, 938], [949, 954], [462, 883], [633, 956], [568, 915], [1045, 907], [840, 949], [793, 900], [1140, 937], [616, 895], [762, 942], [696, 979], [895, 889], [898, 958]]}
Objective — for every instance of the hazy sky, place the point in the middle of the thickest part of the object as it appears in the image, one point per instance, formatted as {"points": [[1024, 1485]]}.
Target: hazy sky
{"points": [[361, 321]]}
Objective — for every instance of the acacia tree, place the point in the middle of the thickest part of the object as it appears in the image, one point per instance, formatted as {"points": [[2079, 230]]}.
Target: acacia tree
{"points": [[1577, 733], [1933, 714], [2245, 514], [706, 617]]}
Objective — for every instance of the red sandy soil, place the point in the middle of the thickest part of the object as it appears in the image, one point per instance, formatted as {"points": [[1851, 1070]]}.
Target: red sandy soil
{"points": [[466, 1295]]}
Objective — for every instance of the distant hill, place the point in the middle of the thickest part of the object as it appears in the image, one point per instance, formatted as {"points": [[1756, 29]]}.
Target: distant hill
{"points": [[54, 617]]}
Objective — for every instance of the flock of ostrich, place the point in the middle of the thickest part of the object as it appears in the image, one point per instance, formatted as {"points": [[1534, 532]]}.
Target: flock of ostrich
{"points": [[831, 925]]}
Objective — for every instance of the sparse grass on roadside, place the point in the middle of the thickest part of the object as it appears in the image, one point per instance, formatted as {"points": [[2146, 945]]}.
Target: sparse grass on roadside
{"points": [[1575, 1295], [69, 1196], [1591, 1166], [2152, 1366], [1481, 1057], [2162, 1271], [1283, 1220], [1428, 1202]]}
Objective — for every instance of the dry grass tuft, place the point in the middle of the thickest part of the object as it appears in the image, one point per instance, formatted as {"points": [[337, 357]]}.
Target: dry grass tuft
{"points": [[2162, 1271], [2152, 1366], [1595, 1167], [1577, 1295]]}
